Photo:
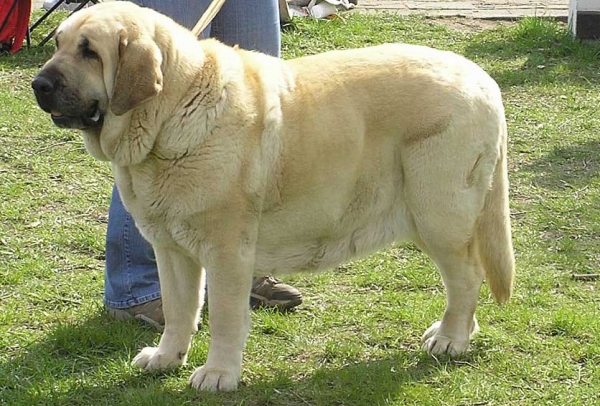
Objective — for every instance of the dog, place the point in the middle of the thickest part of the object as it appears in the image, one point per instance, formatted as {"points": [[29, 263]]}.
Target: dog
{"points": [[234, 164]]}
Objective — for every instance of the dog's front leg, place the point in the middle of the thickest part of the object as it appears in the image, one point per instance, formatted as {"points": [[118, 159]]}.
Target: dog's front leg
{"points": [[182, 287], [229, 279], [229, 321]]}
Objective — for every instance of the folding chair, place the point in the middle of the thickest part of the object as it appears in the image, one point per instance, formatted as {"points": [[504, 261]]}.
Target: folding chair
{"points": [[81, 4]]}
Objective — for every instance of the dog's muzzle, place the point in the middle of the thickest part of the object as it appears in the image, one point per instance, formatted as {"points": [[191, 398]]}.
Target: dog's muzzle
{"points": [[64, 107]]}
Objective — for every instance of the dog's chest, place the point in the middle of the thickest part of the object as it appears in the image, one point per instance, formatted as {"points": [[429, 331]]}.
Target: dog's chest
{"points": [[167, 189], [154, 200]]}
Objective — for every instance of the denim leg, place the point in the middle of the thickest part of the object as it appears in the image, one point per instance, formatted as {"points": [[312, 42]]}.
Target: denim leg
{"points": [[252, 25], [131, 275], [185, 12]]}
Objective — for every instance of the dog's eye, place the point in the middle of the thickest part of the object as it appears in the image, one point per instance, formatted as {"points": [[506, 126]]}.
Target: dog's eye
{"points": [[89, 54], [86, 51]]}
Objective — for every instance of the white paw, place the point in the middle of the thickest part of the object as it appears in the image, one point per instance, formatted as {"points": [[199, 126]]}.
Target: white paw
{"points": [[214, 379], [150, 359], [438, 344]]}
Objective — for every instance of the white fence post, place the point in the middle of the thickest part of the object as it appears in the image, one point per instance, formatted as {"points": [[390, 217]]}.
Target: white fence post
{"points": [[584, 18]]}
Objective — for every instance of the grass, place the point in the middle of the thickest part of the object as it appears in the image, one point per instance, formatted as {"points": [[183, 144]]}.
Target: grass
{"points": [[355, 340]]}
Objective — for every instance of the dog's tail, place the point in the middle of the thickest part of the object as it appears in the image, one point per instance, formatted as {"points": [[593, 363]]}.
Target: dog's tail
{"points": [[493, 234]]}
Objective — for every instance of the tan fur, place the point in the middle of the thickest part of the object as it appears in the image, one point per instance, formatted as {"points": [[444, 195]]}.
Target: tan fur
{"points": [[244, 165], [494, 236]]}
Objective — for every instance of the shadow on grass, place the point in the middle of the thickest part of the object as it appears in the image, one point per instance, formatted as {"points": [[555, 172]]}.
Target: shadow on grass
{"points": [[77, 364], [551, 54], [382, 381], [39, 373], [573, 166]]}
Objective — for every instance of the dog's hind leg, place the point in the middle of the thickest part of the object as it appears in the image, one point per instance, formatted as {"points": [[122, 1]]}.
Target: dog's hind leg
{"points": [[447, 178], [462, 275], [445, 228], [182, 287]]}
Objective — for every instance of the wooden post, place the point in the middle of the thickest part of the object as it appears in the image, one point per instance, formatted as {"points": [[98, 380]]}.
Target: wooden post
{"points": [[584, 18]]}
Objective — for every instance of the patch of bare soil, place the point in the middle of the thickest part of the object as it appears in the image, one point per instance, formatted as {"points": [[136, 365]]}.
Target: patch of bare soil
{"points": [[470, 24]]}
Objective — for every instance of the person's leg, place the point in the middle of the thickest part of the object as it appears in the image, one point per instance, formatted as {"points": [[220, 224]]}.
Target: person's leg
{"points": [[130, 277], [185, 12], [130, 265], [253, 27]]}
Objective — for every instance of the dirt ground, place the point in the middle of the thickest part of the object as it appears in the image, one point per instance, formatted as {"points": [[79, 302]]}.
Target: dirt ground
{"points": [[470, 24]]}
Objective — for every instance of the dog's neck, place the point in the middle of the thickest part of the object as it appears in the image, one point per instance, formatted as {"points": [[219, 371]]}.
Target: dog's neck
{"points": [[128, 139]]}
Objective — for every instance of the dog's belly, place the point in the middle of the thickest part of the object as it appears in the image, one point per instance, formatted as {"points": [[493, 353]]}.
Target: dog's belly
{"points": [[293, 253]]}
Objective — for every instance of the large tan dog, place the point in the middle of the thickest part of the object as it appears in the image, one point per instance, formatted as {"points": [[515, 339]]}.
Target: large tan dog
{"points": [[244, 164]]}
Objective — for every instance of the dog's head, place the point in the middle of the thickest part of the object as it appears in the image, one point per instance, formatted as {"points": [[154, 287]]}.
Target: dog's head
{"points": [[106, 60]]}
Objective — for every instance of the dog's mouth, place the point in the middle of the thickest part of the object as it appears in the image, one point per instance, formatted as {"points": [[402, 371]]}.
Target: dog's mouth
{"points": [[92, 118]]}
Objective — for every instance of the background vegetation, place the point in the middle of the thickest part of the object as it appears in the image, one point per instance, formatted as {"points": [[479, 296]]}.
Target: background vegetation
{"points": [[355, 340]]}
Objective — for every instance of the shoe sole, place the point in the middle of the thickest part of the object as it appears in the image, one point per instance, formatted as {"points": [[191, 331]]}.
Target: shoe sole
{"points": [[124, 315], [257, 301]]}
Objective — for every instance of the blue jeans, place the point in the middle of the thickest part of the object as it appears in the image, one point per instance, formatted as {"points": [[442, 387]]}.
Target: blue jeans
{"points": [[131, 275]]}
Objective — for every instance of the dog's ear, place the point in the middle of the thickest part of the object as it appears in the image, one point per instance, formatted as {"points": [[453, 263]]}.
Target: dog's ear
{"points": [[139, 77]]}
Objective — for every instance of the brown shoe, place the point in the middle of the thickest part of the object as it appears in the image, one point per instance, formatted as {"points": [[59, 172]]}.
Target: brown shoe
{"points": [[270, 292], [266, 292], [150, 313]]}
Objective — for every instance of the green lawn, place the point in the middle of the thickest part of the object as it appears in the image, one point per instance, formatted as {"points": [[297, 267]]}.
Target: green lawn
{"points": [[355, 340]]}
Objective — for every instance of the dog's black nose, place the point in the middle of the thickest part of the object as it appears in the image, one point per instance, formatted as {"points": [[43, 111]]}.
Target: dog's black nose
{"points": [[43, 85]]}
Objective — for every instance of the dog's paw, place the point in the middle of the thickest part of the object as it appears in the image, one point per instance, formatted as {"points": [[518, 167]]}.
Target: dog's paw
{"points": [[150, 359], [438, 344], [214, 379]]}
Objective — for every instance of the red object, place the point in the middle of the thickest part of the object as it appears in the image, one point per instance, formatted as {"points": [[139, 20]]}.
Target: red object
{"points": [[14, 21]]}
